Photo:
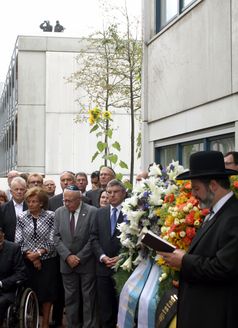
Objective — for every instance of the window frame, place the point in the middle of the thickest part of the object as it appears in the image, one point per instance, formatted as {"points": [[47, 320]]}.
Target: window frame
{"points": [[181, 8]]}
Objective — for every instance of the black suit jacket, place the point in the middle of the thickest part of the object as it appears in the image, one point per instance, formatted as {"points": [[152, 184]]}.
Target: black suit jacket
{"points": [[102, 241], [57, 201], [208, 285], [93, 196], [12, 267], [8, 219]]}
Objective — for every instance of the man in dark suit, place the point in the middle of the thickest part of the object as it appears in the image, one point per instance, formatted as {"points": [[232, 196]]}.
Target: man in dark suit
{"points": [[106, 174], [12, 269], [66, 178], [73, 224], [106, 246], [208, 285], [11, 209]]}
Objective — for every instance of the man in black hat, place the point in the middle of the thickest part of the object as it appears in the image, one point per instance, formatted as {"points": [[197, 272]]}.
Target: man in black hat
{"points": [[208, 285]]}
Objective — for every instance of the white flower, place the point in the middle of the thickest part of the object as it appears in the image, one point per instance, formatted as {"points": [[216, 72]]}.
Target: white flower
{"points": [[135, 215], [155, 170], [174, 169], [139, 187], [172, 234], [182, 234], [155, 198], [176, 221], [128, 243], [163, 276], [138, 259], [172, 188], [196, 222], [186, 209], [164, 229], [127, 265]]}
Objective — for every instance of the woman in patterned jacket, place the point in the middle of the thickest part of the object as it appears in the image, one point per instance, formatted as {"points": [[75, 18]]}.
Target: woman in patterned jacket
{"points": [[34, 233]]}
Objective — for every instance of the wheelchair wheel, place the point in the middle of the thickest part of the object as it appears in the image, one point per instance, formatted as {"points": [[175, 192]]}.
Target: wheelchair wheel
{"points": [[11, 321], [29, 310]]}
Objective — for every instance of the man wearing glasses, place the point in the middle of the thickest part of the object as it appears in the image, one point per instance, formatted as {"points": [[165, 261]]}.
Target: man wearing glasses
{"points": [[231, 160]]}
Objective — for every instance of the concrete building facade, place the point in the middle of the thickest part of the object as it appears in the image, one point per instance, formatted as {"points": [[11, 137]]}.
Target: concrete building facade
{"points": [[190, 78], [38, 107]]}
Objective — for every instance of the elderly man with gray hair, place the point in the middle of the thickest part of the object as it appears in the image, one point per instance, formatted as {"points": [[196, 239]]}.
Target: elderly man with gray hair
{"points": [[12, 209], [73, 224]]}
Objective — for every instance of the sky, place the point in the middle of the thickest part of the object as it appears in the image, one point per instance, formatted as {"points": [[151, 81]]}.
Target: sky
{"points": [[79, 17]]}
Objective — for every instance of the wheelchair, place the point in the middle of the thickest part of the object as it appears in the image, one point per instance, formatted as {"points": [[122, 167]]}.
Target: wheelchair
{"points": [[24, 311]]}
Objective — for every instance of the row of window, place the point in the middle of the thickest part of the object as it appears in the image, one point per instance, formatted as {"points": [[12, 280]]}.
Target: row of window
{"points": [[167, 10], [181, 152]]}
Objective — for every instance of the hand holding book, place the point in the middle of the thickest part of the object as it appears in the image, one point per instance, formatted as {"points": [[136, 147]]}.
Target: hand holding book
{"points": [[157, 243]]}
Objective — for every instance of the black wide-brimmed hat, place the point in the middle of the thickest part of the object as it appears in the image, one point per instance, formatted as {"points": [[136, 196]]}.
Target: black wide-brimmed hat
{"points": [[206, 164]]}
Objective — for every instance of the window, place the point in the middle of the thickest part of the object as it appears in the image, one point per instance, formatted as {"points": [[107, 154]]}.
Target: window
{"points": [[223, 144], [165, 155], [188, 149], [167, 10], [181, 152]]}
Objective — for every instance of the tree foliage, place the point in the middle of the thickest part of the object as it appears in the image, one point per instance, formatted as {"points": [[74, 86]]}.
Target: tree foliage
{"points": [[109, 77]]}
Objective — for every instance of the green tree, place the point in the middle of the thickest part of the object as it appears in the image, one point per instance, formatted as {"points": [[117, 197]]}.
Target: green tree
{"points": [[110, 78]]}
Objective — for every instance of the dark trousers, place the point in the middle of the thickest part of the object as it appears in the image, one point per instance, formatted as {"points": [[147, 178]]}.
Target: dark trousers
{"points": [[58, 305], [107, 301], [5, 300]]}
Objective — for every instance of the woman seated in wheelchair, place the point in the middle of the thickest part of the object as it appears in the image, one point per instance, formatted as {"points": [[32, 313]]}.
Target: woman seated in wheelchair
{"points": [[34, 233], [12, 270]]}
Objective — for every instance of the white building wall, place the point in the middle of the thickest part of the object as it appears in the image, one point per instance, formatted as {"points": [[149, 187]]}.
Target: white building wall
{"points": [[191, 73], [49, 140]]}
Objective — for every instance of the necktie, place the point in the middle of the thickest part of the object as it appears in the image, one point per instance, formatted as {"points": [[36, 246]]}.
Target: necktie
{"points": [[113, 220], [72, 223], [207, 218]]}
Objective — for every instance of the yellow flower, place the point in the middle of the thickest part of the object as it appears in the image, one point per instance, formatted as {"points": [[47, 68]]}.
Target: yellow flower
{"points": [[95, 113], [160, 260], [106, 115], [91, 119], [157, 212]]}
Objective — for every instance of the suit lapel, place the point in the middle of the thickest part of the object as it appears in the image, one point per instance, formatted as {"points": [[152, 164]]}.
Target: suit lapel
{"points": [[81, 218], [203, 230]]}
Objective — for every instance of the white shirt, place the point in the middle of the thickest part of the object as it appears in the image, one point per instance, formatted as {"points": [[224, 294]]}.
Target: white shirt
{"points": [[18, 208], [76, 215], [219, 205]]}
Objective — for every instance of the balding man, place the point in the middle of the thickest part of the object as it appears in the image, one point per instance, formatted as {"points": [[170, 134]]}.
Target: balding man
{"points": [[10, 176], [66, 178], [141, 175], [49, 187], [73, 224], [11, 209]]}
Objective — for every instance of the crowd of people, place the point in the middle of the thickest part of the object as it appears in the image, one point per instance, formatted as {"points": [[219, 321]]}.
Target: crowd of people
{"points": [[68, 243], [65, 246]]}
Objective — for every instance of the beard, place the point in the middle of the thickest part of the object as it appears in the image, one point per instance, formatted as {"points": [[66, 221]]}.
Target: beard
{"points": [[208, 200]]}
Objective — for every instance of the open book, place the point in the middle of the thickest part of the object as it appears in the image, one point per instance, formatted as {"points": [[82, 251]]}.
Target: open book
{"points": [[157, 243]]}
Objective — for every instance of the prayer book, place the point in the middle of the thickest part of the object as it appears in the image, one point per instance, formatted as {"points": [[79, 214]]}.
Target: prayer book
{"points": [[157, 243]]}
